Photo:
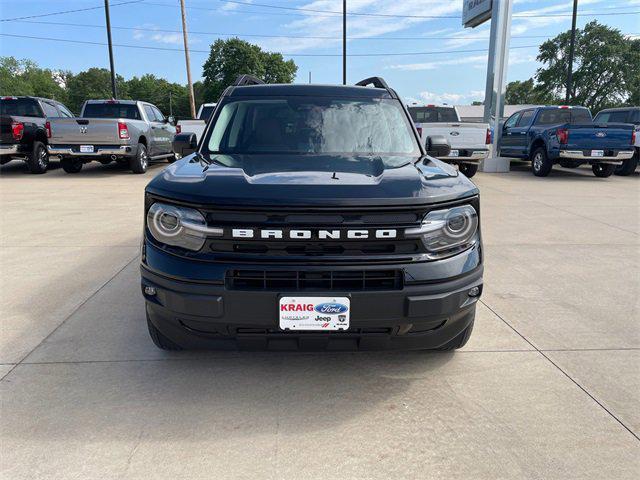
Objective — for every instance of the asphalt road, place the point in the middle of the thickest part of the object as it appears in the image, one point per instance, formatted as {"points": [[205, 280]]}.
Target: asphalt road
{"points": [[548, 386]]}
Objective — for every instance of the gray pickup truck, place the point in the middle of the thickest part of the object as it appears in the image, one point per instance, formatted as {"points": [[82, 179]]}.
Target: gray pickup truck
{"points": [[129, 132]]}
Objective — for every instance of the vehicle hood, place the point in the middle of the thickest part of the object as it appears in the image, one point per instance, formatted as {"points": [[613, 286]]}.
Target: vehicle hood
{"points": [[310, 180]]}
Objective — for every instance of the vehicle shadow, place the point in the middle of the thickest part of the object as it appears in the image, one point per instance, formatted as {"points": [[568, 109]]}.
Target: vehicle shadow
{"points": [[17, 168]]}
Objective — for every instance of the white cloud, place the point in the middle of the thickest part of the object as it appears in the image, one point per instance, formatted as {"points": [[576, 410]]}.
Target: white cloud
{"points": [[450, 98], [150, 32], [169, 38]]}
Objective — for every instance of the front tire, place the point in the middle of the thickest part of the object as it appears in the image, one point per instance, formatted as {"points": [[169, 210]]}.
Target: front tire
{"points": [[160, 341], [629, 165], [540, 163], [140, 162], [603, 170], [71, 165], [459, 341], [38, 159], [469, 169]]}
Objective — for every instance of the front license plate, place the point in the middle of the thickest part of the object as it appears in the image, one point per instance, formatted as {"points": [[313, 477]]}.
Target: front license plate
{"points": [[454, 153], [86, 148], [597, 153], [314, 313]]}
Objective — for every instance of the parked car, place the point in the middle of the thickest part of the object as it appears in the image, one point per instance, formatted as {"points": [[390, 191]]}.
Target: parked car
{"points": [[23, 134], [623, 115], [127, 131], [470, 142], [198, 125], [568, 136], [288, 228]]}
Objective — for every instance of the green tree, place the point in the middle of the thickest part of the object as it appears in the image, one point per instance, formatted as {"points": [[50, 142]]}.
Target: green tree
{"points": [[232, 57], [605, 70], [527, 93], [92, 84], [24, 77]]}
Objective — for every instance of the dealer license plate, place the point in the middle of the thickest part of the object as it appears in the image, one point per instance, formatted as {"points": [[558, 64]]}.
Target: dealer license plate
{"points": [[86, 148], [454, 153], [597, 153], [314, 313]]}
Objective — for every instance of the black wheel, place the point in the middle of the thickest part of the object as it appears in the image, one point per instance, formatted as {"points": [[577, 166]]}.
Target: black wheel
{"points": [[140, 162], [71, 165], [159, 339], [603, 170], [459, 341], [540, 163], [629, 165], [469, 169], [38, 159]]}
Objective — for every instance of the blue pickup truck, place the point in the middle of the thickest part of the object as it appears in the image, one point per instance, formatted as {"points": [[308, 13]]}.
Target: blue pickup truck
{"points": [[566, 136]]}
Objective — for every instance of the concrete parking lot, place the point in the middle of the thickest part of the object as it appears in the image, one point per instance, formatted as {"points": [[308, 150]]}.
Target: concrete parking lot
{"points": [[548, 386]]}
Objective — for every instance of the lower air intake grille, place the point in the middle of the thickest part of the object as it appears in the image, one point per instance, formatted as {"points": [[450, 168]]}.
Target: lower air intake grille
{"points": [[356, 280]]}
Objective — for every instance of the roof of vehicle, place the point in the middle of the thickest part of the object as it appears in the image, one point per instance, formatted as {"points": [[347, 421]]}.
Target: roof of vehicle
{"points": [[304, 90], [618, 109], [110, 100], [7, 97], [568, 107]]}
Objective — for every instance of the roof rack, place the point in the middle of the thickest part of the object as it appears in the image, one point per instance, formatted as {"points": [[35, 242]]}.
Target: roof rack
{"points": [[377, 82], [246, 80]]}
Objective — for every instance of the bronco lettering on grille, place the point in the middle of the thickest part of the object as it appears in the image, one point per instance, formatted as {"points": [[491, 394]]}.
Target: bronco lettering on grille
{"points": [[355, 234]]}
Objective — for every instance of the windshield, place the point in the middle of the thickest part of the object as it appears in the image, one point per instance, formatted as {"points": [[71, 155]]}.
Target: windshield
{"points": [[111, 110], [306, 125]]}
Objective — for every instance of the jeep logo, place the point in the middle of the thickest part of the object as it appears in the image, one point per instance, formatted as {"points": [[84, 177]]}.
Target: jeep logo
{"points": [[278, 234]]}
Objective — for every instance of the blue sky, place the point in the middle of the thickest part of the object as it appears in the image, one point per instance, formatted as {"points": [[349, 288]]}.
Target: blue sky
{"points": [[452, 76]]}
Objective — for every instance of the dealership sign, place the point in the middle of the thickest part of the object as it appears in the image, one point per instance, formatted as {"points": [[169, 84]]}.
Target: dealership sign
{"points": [[475, 12]]}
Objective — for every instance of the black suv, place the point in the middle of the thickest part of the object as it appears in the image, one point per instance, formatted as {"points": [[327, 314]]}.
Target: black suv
{"points": [[24, 131], [310, 217]]}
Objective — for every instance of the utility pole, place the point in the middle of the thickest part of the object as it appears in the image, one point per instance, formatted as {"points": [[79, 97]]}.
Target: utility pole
{"points": [[114, 90], [572, 48], [344, 42], [186, 57]]}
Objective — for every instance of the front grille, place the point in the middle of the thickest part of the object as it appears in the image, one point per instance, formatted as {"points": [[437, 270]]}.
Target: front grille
{"points": [[316, 248], [351, 280]]}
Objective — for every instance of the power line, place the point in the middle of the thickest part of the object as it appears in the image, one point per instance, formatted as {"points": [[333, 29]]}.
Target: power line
{"points": [[256, 35], [143, 47], [334, 14], [67, 11]]}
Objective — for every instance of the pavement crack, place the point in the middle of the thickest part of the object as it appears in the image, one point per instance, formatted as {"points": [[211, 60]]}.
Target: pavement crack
{"points": [[542, 352]]}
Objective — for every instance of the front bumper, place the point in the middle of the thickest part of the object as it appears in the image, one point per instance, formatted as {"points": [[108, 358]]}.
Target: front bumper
{"points": [[616, 159], [466, 156], [66, 151], [425, 313]]}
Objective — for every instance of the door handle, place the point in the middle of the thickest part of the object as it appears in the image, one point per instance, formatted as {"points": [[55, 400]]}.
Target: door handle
{"points": [[508, 133], [523, 133]]}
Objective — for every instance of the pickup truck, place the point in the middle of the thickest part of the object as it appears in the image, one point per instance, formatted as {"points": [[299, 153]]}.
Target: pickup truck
{"points": [[127, 131], [23, 135], [470, 142], [624, 115], [198, 125], [565, 135]]}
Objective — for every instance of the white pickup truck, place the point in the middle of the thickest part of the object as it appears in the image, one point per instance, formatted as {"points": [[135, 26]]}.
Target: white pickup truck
{"points": [[198, 125], [470, 142]]}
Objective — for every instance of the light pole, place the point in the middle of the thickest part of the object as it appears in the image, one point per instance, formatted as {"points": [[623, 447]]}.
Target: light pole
{"points": [[192, 99], [344, 42], [572, 47], [114, 90]]}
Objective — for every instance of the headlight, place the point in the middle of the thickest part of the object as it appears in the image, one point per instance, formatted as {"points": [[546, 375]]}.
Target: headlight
{"points": [[448, 231], [179, 226]]}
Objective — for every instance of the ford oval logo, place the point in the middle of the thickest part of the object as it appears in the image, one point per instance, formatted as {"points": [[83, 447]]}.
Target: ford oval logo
{"points": [[454, 134], [331, 308], [601, 134]]}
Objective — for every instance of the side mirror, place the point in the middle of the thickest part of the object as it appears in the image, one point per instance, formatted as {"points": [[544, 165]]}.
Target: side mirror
{"points": [[438, 146], [185, 144], [171, 119]]}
